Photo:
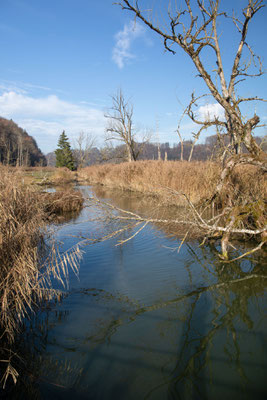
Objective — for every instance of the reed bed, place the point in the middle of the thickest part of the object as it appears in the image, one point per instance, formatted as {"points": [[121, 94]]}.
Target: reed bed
{"points": [[167, 179], [164, 179], [26, 264]]}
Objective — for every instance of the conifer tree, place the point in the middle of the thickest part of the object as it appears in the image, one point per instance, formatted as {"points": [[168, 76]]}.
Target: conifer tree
{"points": [[64, 157]]}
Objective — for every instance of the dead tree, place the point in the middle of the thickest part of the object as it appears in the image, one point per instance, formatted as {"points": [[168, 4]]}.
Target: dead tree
{"points": [[194, 29], [120, 125], [84, 144]]}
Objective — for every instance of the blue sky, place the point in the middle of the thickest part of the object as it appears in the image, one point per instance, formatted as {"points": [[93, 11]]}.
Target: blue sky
{"points": [[61, 60]]}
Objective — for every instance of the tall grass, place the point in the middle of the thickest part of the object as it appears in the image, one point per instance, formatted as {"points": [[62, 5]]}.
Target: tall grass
{"points": [[26, 267], [196, 179], [62, 201], [62, 176]]}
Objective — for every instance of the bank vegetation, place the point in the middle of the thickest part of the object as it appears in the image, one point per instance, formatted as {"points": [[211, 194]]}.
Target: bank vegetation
{"points": [[29, 258], [237, 211]]}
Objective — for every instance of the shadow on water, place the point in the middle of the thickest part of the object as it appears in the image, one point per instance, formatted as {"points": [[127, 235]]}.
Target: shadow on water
{"points": [[156, 325]]}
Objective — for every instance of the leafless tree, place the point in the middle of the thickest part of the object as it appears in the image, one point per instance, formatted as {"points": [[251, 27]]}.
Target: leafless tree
{"points": [[194, 28], [5, 149], [83, 145], [120, 126], [20, 151]]}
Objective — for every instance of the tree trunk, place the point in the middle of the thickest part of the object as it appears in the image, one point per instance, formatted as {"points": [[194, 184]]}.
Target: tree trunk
{"points": [[129, 154]]}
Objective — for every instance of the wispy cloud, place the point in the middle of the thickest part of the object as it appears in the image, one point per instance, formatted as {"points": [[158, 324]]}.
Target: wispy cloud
{"points": [[46, 117], [122, 51], [211, 111], [24, 87]]}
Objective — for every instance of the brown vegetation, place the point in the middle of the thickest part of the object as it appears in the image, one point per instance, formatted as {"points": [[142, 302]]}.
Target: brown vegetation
{"points": [[62, 176], [27, 265], [197, 180], [241, 205], [60, 202], [46, 176], [158, 178], [193, 28]]}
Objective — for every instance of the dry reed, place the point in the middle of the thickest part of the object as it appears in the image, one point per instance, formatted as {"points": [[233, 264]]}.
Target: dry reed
{"points": [[60, 202], [62, 176], [197, 180], [26, 268], [158, 178]]}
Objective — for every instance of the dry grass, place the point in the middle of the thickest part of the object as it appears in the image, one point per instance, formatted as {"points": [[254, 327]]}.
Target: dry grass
{"points": [[61, 202], [62, 176], [25, 277], [46, 175], [35, 175], [196, 179], [246, 193], [248, 181]]}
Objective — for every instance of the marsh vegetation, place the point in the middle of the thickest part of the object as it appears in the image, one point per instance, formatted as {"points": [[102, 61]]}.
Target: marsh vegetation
{"points": [[29, 257]]}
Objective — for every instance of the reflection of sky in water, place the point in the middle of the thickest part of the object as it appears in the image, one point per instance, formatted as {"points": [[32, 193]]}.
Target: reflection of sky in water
{"points": [[145, 322]]}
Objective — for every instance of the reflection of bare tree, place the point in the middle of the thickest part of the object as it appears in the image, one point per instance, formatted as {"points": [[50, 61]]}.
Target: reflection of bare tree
{"points": [[215, 307], [230, 298]]}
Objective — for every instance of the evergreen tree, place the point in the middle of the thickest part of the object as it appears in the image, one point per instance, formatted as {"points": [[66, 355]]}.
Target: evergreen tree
{"points": [[64, 157]]}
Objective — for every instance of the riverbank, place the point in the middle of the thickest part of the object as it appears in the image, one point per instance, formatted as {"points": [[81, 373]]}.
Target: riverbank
{"points": [[131, 316], [168, 180], [165, 180], [25, 211], [237, 209], [24, 282]]}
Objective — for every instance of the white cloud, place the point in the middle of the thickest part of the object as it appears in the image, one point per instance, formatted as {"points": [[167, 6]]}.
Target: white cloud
{"points": [[124, 38], [45, 117], [211, 111], [24, 87]]}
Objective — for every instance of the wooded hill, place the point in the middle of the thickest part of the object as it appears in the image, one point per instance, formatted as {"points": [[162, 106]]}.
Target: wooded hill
{"points": [[17, 147]]}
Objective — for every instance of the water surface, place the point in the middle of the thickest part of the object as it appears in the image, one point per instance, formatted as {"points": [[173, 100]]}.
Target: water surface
{"points": [[146, 322]]}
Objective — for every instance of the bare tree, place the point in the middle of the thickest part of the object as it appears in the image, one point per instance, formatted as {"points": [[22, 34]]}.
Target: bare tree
{"points": [[83, 145], [20, 151], [5, 149], [120, 126], [194, 29]]}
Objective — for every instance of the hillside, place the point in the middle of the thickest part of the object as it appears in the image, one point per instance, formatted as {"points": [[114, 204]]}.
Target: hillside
{"points": [[17, 147]]}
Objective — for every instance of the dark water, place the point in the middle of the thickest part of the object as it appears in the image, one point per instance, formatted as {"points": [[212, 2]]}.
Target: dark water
{"points": [[146, 322]]}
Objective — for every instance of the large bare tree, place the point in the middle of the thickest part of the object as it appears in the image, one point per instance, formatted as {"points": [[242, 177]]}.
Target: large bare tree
{"points": [[195, 29]]}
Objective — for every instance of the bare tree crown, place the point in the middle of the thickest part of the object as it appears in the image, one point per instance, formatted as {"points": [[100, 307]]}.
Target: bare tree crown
{"points": [[194, 28], [120, 126]]}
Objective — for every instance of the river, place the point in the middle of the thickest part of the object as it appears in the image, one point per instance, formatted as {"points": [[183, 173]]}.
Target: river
{"points": [[144, 321]]}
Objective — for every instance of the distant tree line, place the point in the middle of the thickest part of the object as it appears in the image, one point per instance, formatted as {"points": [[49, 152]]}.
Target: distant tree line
{"points": [[18, 148], [212, 149]]}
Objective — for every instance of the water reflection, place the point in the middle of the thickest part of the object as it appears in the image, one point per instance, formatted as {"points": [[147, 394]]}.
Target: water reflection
{"points": [[147, 323]]}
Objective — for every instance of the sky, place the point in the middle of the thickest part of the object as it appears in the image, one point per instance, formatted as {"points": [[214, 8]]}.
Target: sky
{"points": [[62, 60]]}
